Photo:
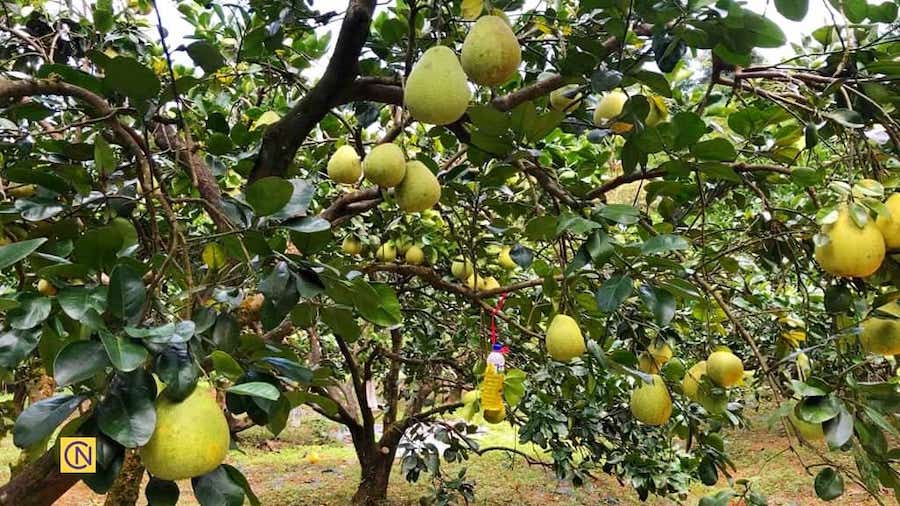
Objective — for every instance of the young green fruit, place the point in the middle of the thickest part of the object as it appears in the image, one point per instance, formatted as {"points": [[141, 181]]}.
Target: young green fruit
{"points": [[386, 252], [560, 101], [651, 403], [344, 166], [436, 91], [505, 260], [351, 245], [890, 227], [414, 255], [461, 269], [851, 251], [724, 368], [419, 189], [385, 165], [564, 340], [609, 107], [809, 431], [191, 437], [491, 52], [880, 336]]}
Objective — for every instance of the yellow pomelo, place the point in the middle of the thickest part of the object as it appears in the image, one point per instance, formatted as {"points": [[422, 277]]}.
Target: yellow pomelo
{"points": [[436, 91], [344, 165], [461, 269], [658, 111], [559, 100], [490, 283], [351, 246], [414, 255], [890, 227], [660, 351], [650, 403], [609, 107], [491, 52], [880, 336], [564, 339], [385, 165], [647, 364], [806, 430], [851, 251], [691, 382], [419, 189], [191, 437], [494, 415], [505, 260], [724, 368], [476, 282], [386, 252], [46, 288]]}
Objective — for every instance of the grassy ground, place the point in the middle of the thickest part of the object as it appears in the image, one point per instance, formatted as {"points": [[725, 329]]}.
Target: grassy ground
{"points": [[308, 465]]}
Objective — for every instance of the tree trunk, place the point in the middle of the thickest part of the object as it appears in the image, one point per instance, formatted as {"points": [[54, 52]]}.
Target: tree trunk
{"points": [[127, 487], [375, 473], [38, 484]]}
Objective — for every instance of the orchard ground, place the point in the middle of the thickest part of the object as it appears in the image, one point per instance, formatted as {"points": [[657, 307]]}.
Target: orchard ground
{"points": [[312, 464]]}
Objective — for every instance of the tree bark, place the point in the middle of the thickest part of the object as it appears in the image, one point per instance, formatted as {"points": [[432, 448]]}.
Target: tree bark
{"points": [[38, 484], [127, 487], [375, 474]]}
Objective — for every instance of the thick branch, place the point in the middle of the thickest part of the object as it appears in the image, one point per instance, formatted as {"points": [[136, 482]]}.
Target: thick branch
{"points": [[282, 140]]}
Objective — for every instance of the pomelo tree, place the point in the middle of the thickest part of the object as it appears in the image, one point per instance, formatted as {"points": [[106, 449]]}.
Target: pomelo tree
{"points": [[706, 228]]}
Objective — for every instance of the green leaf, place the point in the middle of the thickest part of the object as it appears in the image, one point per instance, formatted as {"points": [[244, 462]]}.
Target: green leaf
{"points": [[620, 213], [818, 409], [655, 81], [256, 389], [79, 361], [760, 30], [103, 19], [238, 478], [127, 294], [300, 200], [341, 321], [856, 11], [795, 10], [689, 128], [291, 370], [489, 120], [225, 365], [180, 332], [613, 293], [131, 78], [660, 302], [541, 228], [885, 12], [127, 413], [17, 344], [718, 149], [829, 484], [839, 429], [219, 143], [663, 243], [206, 56], [216, 488], [269, 195], [161, 492], [177, 368], [39, 420], [605, 80], [124, 355], [98, 247], [846, 117], [104, 157], [32, 311], [307, 224], [521, 255], [12, 253]]}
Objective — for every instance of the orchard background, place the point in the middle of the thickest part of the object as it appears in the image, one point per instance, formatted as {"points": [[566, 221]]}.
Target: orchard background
{"points": [[669, 232]]}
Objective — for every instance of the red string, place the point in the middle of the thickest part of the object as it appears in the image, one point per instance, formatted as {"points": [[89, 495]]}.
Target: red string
{"points": [[496, 310]]}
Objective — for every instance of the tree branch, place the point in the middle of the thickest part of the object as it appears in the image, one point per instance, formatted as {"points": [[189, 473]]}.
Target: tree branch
{"points": [[282, 140]]}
